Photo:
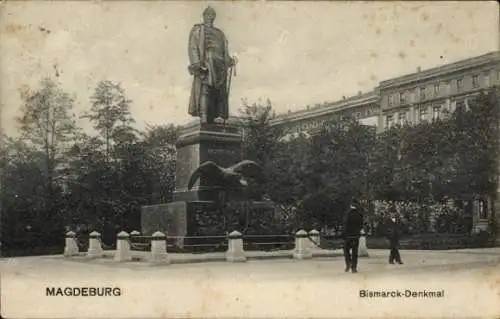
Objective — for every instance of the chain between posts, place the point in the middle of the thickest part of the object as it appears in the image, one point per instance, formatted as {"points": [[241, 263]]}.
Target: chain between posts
{"points": [[317, 244], [135, 246]]}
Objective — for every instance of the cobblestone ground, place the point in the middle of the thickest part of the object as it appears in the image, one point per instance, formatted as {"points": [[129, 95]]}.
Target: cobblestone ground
{"points": [[274, 288]]}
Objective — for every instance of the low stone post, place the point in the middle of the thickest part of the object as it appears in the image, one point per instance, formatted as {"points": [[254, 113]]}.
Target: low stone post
{"points": [[362, 249], [314, 240], [123, 247], [302, 248], [235, 251], [71, 246], [159, 253], [134, 233], [95, 247]]}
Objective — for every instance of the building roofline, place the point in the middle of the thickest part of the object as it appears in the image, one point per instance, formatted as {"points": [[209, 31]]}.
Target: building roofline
{"points": [[442, 69], [327, 108]]}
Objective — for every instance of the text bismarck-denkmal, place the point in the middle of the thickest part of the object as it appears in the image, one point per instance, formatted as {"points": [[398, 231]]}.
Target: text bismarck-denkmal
{"points": [[83, 292], [403, 293]]}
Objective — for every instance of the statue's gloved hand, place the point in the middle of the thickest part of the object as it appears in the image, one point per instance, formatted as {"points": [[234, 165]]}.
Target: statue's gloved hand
{"points": [[197, 69], [233, 61]]}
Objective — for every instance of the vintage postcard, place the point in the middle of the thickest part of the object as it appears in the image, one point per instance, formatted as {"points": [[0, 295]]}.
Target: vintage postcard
{"points": [[249, 159]]}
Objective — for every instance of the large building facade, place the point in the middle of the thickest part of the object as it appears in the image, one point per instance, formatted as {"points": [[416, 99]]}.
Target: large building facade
{"points": [[430, 94], [411, 99], [364, 106]]}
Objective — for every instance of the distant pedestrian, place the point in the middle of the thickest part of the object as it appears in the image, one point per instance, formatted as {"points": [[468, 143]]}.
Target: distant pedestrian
{"points": [[394, 228], [353, 223]]}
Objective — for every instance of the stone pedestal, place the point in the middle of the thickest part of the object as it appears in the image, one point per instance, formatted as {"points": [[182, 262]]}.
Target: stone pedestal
{"points": [[302, 247], [182, 219], [166, 218], [159, 253], [134, 233], [496, 215], [194, 212], [123, 251], [198, 143], [314, 240], [95, 247], [362, 249], [235, 251], [71, 246]]}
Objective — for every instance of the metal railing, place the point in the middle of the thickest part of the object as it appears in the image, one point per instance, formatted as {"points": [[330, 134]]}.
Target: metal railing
{"points": [[191, 244], [214, 243], [268, 242]]}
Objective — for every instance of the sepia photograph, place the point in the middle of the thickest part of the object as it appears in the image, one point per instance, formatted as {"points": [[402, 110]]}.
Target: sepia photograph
{"points": [[249, 159]]}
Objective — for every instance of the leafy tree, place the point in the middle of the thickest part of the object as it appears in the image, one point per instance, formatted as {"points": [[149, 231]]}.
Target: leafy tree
{"points": [[287, 172], [23, 197], [317, 176], [447, 158], [338, 169], [86, 191], [158, 165], [48, 125], [101, 162], [261, 141], [110, 113], [450, 158], [260, 138]]}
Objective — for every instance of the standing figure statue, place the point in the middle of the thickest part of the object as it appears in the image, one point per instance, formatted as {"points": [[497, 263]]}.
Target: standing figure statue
{"points": [[211, 67]]}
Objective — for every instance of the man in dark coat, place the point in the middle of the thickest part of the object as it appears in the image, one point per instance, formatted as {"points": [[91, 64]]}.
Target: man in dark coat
{"points": [[394, 226], [353, 223]]}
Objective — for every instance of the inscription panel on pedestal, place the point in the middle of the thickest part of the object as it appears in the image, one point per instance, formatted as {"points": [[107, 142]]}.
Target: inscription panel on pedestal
{"points": [[223, 155]]}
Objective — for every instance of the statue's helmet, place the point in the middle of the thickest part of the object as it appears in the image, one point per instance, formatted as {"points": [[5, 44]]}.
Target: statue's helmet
{"points": [[209, 11]]}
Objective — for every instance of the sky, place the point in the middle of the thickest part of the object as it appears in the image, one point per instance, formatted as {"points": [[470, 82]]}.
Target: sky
{"points": [[293, 53]]}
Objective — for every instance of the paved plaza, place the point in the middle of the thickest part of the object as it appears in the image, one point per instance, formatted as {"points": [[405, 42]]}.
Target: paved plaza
{"points": [[274, 288]]}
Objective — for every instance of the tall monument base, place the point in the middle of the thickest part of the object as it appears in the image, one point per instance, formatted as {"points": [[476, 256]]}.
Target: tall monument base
{"points": [[196, 218], [198, 143], [195, 212]]}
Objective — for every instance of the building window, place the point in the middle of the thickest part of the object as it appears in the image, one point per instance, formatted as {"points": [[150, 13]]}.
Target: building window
{"points": [[483, 209], [402, 98], [436, 112], [436, 89], [396, 99], [487, 79], [422, 114], [389, 121], [412, 96], [402, 118], [422, 93], [389, 100], [447, 87], [460, 84], [460, 106], [475, 81]]}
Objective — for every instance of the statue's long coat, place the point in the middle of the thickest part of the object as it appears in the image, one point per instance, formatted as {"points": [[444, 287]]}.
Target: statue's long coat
{"points": [[217, 66]]}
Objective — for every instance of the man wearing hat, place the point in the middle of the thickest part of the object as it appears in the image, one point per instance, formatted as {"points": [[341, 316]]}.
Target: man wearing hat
{"points": [[353, 223], [394, 229], [209, 64]]}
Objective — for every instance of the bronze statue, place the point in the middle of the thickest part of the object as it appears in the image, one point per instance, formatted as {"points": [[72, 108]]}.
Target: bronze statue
{"points": [[211, 67]]}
